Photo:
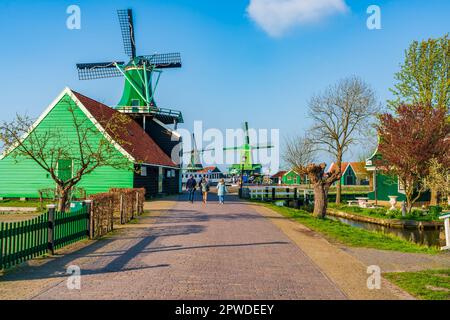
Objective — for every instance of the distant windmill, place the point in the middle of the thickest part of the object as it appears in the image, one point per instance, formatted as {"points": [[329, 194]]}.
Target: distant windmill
{"points": [[139, 73], [195, 163], [246, 164]]}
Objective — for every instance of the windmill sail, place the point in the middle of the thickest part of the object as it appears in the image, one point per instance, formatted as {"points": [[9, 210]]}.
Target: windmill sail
{"points": [[127, 29], [90, 71]]}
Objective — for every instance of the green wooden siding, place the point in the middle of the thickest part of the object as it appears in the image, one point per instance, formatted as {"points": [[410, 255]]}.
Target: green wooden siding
{"points": [[23, 177], [291, 178], [386, 186], [349, 177]]}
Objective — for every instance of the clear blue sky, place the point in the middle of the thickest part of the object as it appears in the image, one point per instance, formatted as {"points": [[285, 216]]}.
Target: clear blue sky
{"points": [[233, 70]]}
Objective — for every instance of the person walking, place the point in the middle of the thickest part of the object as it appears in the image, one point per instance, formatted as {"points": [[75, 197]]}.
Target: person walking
{"points": [[191, 185], [221, 191], [205, 186]]}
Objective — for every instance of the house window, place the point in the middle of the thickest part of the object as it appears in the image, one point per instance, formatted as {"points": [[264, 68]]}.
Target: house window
{"points": [[135, 103], [143, 171]]}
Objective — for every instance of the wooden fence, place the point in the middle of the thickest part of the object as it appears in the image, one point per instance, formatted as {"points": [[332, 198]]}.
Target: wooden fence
{"points": [[274, 193], [24, 240], [128, 203]]}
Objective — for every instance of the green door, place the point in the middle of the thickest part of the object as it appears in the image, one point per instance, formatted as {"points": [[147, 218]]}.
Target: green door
{"points": [[64, 169]]}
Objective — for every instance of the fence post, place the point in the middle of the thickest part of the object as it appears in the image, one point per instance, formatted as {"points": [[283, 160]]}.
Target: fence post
{"points": [[267, 193], [88, 204], [287, 193], [137, 204], [273, 193], [51, 228], [121, 209], [295, 194]]}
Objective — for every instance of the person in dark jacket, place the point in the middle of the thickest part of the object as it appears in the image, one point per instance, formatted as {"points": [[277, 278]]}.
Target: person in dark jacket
{"points": [[191, 185]]}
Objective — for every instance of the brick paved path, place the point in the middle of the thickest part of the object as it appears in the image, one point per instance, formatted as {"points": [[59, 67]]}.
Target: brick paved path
{"points": [[190, 252]]}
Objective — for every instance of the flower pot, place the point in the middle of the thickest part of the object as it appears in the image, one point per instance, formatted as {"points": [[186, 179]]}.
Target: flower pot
{"points": [[393, 202]]}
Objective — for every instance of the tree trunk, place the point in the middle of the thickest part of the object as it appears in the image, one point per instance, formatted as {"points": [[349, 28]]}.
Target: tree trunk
{"points": [[63, 199], [339, 185], [320, 200], [434, 197]]}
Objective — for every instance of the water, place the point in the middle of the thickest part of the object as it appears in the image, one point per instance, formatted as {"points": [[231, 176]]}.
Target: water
{"points": [[430, 238]]}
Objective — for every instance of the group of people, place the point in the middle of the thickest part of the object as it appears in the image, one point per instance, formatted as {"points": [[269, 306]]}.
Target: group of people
{"points": [[204, 186]]}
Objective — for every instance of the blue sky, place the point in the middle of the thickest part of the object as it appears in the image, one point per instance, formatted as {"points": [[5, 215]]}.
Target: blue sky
{"points": [[233, 69]]}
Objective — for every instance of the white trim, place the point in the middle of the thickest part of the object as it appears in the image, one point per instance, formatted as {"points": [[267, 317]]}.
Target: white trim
{"points": [[176, 134], [70, 93], [37, 122]]}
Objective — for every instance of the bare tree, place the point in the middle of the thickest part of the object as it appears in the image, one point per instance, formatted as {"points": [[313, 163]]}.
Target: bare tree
{"points": [[299, 154], [49, 147], [340, 116], [299, 151]]}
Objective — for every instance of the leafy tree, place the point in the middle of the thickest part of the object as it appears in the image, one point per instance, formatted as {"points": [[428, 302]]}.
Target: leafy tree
{"points": [[409, 140], [424, 76], [439, 179]]}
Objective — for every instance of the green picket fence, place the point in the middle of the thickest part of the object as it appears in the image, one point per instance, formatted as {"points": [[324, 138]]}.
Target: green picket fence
{"points": [[24, 240], [70, 227]]}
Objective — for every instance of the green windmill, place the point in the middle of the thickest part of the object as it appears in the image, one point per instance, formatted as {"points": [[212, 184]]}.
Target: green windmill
{"points": [[141, 74], [195, 163], [246, 165]]}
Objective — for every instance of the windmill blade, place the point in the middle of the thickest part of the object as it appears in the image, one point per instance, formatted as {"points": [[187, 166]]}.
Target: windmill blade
{"points": [[233, 148], [262, 147], [247, 137], [207, 150], [89, 71], [127, 29], [164, 61]]}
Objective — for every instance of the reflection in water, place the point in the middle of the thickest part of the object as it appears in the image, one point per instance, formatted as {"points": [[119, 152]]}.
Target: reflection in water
{"points": [[424, 237]]}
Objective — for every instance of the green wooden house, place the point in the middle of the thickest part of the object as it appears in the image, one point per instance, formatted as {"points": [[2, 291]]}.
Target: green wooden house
{"points": [[383, 185], [292, 178], [22, 178], [353, 173]]}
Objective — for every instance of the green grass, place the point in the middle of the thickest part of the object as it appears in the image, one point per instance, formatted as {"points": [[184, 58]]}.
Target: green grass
{"points": [[421, 284], [384, 213], [352, 236]]}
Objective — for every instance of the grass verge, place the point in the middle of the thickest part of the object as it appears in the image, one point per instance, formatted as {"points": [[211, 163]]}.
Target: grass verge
{"points": [[351, 236], [384, 213], [427, 285]]}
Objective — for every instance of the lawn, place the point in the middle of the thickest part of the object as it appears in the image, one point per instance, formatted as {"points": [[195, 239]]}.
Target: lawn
{"points": [[384, 213], [351, 236], [27, 203], [427, 285]]}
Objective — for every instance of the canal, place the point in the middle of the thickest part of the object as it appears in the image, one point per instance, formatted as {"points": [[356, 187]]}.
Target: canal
{"points": [[431, 238]]}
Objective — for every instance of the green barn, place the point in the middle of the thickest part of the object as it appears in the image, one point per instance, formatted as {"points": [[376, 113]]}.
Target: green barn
{"points": [[23, 178]]}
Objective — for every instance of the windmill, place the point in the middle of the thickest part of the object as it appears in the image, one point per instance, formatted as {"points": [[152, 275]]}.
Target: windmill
{"points": [[195, 163], [246, 165], [141, 74]]}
